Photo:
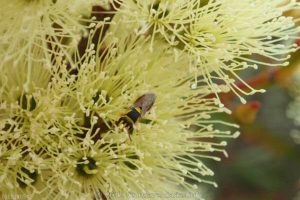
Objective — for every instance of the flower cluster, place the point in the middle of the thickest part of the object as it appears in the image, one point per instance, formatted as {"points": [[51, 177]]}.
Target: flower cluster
{"points": [[28, 25], [219, 36], [131, 112], [59, 133]]}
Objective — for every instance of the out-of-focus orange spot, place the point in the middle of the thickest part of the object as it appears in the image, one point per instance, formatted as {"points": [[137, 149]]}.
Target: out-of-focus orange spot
{"points": [[246, 113], [284, 75]]}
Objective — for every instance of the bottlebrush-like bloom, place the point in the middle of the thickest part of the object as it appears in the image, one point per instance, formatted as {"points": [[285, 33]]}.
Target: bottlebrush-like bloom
{"points": [[221, 37], [29, 24], [61, 139]]}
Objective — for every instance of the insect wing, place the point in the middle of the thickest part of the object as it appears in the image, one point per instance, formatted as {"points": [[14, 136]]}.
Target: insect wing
{"points": [[145, 102]]}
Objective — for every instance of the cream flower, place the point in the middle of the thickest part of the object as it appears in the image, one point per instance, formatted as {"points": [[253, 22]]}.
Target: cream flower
{"points": [[27, 25], [32, 121], [20, 107], [74, 145], [167, 146], [221, 37]]}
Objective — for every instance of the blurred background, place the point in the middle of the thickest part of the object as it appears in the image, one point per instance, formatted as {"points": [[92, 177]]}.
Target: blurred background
{"points": [[264, 161]]}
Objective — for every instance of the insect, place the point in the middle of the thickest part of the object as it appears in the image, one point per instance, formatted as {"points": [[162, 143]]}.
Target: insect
{"points": [[138, 109]]}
